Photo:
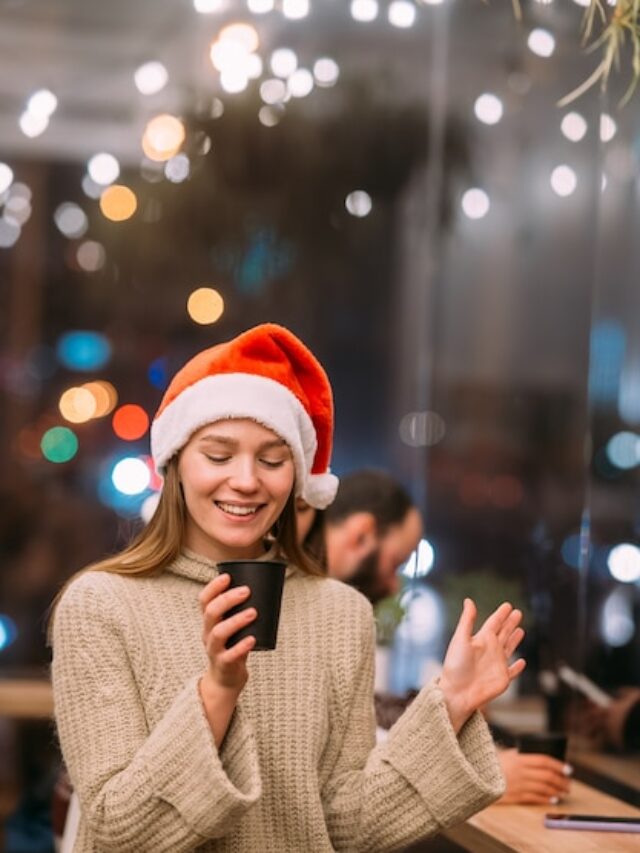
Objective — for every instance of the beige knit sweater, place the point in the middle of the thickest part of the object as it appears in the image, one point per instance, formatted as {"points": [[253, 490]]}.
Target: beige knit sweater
{"points": [[298, 771]]}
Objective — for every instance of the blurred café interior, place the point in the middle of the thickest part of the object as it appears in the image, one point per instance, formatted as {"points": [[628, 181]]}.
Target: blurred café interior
{"points": [[441, 198]]}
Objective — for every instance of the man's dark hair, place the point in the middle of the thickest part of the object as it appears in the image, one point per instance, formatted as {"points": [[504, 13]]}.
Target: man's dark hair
{"points": [[370, 491]]}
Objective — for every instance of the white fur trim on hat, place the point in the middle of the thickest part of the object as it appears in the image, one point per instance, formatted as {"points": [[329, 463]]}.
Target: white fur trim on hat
{"points": [[245, 395]]}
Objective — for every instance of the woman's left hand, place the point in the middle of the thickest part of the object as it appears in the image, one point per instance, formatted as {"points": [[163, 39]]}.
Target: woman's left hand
{"points": [[476, 667]]}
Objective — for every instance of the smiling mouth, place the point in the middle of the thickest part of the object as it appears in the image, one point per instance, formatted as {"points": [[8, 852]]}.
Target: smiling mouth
{"points": [[238, 511]]}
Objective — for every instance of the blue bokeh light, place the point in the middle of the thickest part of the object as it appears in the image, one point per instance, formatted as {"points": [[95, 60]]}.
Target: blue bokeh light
{"points": [[82, 350], [8, 631], [158, 373]]}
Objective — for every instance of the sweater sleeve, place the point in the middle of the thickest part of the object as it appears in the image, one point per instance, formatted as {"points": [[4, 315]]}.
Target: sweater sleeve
{"points": [[168, 789], [420, 780]]}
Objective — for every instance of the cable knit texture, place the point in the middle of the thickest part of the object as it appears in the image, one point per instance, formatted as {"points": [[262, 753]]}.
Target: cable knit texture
{"points": [[298, 771]]}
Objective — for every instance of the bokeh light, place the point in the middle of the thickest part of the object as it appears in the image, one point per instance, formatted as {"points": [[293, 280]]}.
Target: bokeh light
{"points": [[150, 78], [32, 125], [273, 90], [475, 203], [488, 108], [243, 34], [104, 395], [131, 476], [71, 219], [617, 625], [624, 562], [283, 62], [103, 168], [8, 631], [270, 116], [42, 103], [541, 42], [163, 136], [573, 126], [623, 450], [82, 350], [130, 422], [177, 169], [422, 429], [260, 7], [90, 256], [326, 71], [401, 13], [59, 444], [118, 203], [563, 180], [300, 83], [420, 562], [364, 10], [205, 305], [608, 128], [358, 203], [295, 10], [6, 177], [77, 405], [158, 373]]}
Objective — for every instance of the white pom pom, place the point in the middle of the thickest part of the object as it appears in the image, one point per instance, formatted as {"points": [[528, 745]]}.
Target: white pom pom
{"points": [[320, 490]]}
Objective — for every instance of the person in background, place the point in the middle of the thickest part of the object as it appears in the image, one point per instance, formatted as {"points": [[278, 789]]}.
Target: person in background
{"points": [[618, 725], [371, 528], [176, 742], [363, 538]]}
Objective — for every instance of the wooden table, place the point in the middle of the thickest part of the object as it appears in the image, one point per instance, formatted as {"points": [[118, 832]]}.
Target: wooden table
{"points": [[505, 829], [26, 698]]}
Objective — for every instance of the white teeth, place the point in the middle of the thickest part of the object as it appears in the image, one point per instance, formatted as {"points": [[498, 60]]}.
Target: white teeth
{"points": [[237, 510]]}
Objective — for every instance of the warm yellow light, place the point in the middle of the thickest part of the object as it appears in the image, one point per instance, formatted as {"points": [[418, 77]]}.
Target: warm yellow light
{"points": [[118, 203], [77, 405], [163, 137], [205, 305], [245, 34], [104, 395]]}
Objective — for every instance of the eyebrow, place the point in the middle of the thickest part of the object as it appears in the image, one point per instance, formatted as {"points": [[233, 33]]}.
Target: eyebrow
{"points": [[232, 442]]}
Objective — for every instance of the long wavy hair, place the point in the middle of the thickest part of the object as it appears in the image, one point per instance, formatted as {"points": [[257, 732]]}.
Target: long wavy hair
{"points": [[161, 540]]}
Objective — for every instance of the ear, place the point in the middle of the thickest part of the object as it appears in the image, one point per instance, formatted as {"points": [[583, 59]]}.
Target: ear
{"points": [[360, 531]]}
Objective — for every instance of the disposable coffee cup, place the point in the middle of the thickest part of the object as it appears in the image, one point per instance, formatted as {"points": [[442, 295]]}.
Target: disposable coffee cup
{"points": [[545, 743], [265, 579]]}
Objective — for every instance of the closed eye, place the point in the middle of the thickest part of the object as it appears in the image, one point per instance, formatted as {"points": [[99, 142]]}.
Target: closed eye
{"points": [[273, 463], [217, 460]]}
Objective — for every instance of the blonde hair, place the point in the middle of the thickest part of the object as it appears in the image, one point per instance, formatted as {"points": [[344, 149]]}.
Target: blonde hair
{"points": [[159, 543]]}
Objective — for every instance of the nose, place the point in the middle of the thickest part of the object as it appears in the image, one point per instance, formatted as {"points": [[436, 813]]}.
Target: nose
{"points": [[243, 477]]}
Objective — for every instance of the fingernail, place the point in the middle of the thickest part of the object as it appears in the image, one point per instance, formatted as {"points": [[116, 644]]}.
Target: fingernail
{"points": [[567, 770], [554, 800]]}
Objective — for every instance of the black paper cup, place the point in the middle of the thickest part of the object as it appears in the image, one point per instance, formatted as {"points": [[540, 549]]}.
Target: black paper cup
{"points": [[543, 743], [265, 579]]}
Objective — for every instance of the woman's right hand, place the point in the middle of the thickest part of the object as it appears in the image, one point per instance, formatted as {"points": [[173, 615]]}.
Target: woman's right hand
{"points": [[533, 778], [227, 667]]}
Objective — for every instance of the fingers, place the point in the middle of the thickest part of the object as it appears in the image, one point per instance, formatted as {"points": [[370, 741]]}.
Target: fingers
{"points": [[510, 625], [213, 588], [237, 653], [496, 621], [516, 668], [224, 601], [222, 632], [513, 642], [464, 627]]}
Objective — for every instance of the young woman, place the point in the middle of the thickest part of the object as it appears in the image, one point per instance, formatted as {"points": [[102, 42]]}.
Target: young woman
{"points": [[176, 743]]}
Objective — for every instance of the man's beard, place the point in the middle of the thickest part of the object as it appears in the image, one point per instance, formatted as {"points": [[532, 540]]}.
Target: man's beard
{"points": [[365, 578]]}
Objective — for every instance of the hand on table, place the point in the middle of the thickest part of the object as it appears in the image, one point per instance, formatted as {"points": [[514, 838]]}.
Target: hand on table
{"points": [[607, 725], [476, 667], [532, 778]]}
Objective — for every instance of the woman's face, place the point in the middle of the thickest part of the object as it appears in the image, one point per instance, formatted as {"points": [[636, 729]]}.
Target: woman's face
{"points": [[236, 476]]}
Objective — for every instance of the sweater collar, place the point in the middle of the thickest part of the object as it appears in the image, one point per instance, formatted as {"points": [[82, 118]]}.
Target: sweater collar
{"points": [[199, 568]]}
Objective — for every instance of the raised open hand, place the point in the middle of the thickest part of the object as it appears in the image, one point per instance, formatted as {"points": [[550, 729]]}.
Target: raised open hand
{"points": [[476, 666]]}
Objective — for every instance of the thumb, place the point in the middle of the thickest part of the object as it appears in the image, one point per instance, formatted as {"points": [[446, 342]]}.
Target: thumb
{"points": [[467, 619]]}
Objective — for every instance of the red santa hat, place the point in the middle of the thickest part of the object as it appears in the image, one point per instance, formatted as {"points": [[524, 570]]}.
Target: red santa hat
{"points": [[268, 375]]}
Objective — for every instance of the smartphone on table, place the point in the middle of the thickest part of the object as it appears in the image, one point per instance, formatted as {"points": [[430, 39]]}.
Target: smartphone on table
{"points": [[592, 822]]}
